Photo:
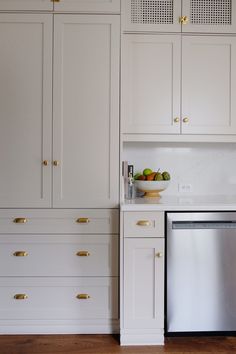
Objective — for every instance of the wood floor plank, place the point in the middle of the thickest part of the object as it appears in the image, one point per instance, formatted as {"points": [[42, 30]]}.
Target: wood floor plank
{"points": [[108, 344]]}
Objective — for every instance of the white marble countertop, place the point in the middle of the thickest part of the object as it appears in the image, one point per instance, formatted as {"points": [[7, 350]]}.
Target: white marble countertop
{"points": [[181, 203]]}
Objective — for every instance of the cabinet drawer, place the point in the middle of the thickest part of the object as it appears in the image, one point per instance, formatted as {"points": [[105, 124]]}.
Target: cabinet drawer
{"points": [[58, 298], [94, 6], [143, 224], [63, 255], [80, 221]]}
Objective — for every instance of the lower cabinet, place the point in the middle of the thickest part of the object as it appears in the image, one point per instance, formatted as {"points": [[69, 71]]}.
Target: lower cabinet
{"points": [[57, 282], [143, 285]]}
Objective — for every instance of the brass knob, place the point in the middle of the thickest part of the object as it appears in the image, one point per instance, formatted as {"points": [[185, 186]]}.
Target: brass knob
{"points": [[83, 254], [176, 120], [144, 223], [56, 163], [45, 162], [186, 120], [183, 20], [159, 254], [20, 296], [83, 296], [20, 254], [20, 220], [83, 220]]}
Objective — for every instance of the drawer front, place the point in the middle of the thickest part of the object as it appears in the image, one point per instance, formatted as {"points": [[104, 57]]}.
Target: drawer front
{"points": [[80, 221], [144, 224], [94, 6], [58, 298], [63, 255]]}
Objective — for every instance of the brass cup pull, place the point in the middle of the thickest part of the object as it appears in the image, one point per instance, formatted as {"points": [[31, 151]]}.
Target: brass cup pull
{"points": [[83, 296], [159, 254], [83, 220], [186, 120], [176, 120], [20, 254], [83, 254], [56, 163], [20, 297], [45, 162], [183, 20], [144, 223], [20, 220]]}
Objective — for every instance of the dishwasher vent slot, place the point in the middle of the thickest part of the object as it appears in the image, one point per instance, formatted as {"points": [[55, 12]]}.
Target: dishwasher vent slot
{"points": [[196, 225]]}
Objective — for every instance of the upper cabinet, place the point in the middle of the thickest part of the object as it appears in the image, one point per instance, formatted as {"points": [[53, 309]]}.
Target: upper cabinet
{"points": [[25, 5], [102, 6], [216, 16]]}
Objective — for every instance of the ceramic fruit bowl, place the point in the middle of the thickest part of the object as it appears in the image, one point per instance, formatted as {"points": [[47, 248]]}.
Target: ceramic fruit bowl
{"points": [[151, 188]]}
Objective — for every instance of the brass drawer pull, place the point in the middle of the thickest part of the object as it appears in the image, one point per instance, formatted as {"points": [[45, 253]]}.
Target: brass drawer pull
{"points": [[20, 297], [20, 220], [83, 296], [144, 223], [83, 254], [20, 254], [159, 254], [83, 220]]}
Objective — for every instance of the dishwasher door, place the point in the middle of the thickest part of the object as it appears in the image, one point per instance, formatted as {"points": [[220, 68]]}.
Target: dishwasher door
{"points": [[201, 272]]}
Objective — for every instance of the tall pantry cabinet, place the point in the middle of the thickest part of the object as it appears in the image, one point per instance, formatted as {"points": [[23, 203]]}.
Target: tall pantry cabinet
{"points": [[59, 154]]}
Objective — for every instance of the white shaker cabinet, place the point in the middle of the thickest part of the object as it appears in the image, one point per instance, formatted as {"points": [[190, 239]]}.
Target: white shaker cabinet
{"points": [[25, 5], [208, 85], [98, 6], [25, 109], [86, 111], [151, 72]]}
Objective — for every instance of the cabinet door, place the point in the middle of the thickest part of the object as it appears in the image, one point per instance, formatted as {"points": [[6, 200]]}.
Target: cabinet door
{"points": [[209, 85], [16, 5], [86, 111], [216, 16], [151, 84], [88, 5], [25, 109], [143, 283], [151, 15]]}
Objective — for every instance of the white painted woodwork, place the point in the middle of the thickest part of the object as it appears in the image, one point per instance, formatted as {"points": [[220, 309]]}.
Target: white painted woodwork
{"points": [[25, 101], [55, 299], [102, 6], [209, 16], [209, 84], [150, 96], [56, 255], [25, 5], [86, 111], [144, 224], [151, 15], [46, 221], [143, 284]]}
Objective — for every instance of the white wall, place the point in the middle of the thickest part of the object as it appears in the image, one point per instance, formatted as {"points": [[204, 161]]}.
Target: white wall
{"points": [[209, 168]]}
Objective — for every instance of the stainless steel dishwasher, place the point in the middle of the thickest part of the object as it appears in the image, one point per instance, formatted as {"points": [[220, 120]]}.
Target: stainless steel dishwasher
{"points": [[201, 272]]}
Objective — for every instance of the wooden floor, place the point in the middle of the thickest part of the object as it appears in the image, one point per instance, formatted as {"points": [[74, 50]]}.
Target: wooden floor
{"points": [[107, 344]]}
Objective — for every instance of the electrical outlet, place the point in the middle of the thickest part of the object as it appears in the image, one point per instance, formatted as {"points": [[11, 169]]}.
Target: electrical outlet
{"points": [[185, 188]]}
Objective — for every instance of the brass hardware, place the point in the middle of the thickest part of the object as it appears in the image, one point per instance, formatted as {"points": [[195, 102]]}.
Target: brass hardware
{"points": [[83, 254], [20, 254], [176, 120], [186, 120], [144, 223], [45, 162], [83, 220], [159, 254], [55, 0], [20, 220], [56, 163], [183, 20], [83, 296], [20, 296]]}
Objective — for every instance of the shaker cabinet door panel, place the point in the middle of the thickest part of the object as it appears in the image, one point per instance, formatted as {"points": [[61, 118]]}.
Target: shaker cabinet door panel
{"points": [[25, 101], [143, 283], [24, 5], [86, 111], [208, 85], [101, 6], [151, 84]]}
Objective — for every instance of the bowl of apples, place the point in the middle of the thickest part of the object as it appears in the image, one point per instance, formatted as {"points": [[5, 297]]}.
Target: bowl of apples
{"points": [[152, 183]]}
